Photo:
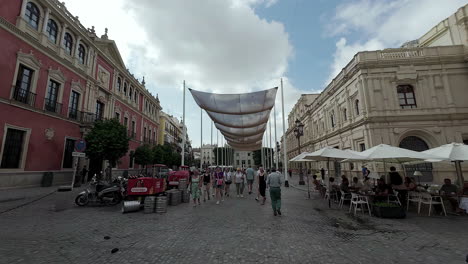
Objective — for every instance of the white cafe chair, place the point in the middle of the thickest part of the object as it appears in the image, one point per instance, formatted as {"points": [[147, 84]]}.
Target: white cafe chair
{"points": [[357, 200], [412, 197], [427, 198], [344, 197]]}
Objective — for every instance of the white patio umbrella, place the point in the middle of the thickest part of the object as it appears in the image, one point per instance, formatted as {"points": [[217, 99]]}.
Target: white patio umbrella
{"points": [[454, 152], [390, 154], [300, 157], [331, 154]]}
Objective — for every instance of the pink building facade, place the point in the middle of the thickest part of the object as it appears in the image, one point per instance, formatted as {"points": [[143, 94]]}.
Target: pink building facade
{"points": [[57, 78]]}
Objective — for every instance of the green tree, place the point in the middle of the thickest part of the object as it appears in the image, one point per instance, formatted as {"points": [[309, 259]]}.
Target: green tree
{"points": [[107, 140], [158, 154], [144, 156]]}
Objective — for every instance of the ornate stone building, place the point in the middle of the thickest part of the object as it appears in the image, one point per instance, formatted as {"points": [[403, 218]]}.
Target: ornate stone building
{"points": [[57, 78], [413, 97]]}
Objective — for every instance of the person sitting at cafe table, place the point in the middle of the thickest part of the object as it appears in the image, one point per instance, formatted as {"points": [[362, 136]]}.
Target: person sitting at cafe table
{"points": [[410, 185], [367, 184], [317, 185], [382, 190], [344, 186], [449, 192], [356, 185], [396, 182], [333, 188]]}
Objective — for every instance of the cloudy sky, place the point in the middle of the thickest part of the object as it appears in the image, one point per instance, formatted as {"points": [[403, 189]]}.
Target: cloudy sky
{"points": [[232, 46]]}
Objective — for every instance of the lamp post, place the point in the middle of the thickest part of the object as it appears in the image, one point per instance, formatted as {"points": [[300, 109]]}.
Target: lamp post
{"points": [[299, 132]]}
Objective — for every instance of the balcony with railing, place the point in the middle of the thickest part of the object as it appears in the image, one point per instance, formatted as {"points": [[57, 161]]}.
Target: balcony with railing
{"points": [[24, 96], [52, 106], [83, 117]]}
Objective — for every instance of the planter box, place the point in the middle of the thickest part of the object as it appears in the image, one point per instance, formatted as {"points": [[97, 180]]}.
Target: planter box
{"points": [[389, 212]]}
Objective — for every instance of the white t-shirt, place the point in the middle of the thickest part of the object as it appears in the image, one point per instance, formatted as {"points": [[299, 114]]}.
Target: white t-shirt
{"points": [[227, 176], [239, 178]]}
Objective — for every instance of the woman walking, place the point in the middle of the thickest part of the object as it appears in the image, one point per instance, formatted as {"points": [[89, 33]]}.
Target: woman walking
{"points": [[227, 181], [261, 185], [219, 182], [206, 184], [239, 178], [195, 186]]}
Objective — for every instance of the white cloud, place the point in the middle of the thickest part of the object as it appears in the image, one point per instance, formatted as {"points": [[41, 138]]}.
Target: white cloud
{"points": [[217, 46], [383, 24]]}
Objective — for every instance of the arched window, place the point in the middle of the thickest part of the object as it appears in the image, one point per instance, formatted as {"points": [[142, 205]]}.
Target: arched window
{"points": [[356, 105], [125, 89], [332, 119], [68, 43], [406, 96], [130, 93], [345, 114], [52, 30], [135, 97], [417, 144], [81, 54], [119, 84], [32, 15]]}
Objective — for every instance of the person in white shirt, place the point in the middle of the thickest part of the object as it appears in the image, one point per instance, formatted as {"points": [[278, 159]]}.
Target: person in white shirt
{"points": [[239, 180], [227, 181]]}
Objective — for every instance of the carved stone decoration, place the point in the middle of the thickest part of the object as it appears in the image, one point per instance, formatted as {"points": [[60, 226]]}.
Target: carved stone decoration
{"points": [[29, 58], [103, 77], [396, 130], [58, 75], [49, 133], [76, 85]]}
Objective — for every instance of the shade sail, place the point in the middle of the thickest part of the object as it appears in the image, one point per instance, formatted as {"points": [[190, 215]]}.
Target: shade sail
{"points": [[241, 132], [246, 103], [241, 118]]}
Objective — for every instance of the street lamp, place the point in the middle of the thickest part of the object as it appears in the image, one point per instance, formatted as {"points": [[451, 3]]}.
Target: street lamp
{"points": [[299, 132]]}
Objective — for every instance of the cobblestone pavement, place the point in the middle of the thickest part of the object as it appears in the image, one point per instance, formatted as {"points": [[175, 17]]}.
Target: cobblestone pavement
{"points": [[53, 230]]}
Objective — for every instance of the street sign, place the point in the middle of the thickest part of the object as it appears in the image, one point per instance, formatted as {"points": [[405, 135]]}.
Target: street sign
{"points": [[79, 154], [80, 145]]}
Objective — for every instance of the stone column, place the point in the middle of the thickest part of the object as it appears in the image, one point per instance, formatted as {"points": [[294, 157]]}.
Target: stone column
{"points": [[62, 36], [23, 7], [75, 55], [46, 20]]}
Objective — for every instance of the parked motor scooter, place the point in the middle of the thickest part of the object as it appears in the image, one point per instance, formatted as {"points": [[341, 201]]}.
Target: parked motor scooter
{"points": [[101, 192]]}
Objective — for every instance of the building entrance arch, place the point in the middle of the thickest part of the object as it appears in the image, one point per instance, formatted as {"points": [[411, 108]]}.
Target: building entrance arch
{"points": [[417, 144]]}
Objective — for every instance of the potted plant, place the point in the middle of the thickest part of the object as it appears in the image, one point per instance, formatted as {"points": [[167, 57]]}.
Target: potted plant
{"points": [[388, 210]]}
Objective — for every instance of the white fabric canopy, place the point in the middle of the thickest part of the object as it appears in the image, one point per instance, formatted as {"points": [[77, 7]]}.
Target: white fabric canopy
{"points": [[391, 154], [450, 152], [300, 157], [330, 153], [241, 118]]}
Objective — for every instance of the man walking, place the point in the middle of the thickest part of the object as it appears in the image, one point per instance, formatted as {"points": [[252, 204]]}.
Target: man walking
{"points": [[274, 182], [250, 178]]}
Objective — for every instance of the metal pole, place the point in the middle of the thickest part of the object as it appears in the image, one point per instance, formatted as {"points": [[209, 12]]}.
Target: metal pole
{"points": [[222, 152], [285, 164], [211, 145], [277, 152], [271, 150], [183, 129], [217, 147], [262, 154], [201, 137], [301, 174]]}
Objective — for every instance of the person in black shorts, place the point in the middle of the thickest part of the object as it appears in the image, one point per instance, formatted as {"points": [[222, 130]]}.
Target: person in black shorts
{"points": [[206, 184]]}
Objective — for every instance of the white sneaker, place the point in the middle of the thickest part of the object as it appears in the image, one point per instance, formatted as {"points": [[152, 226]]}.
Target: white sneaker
{"points": [[242, 195], [217, 202]]}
